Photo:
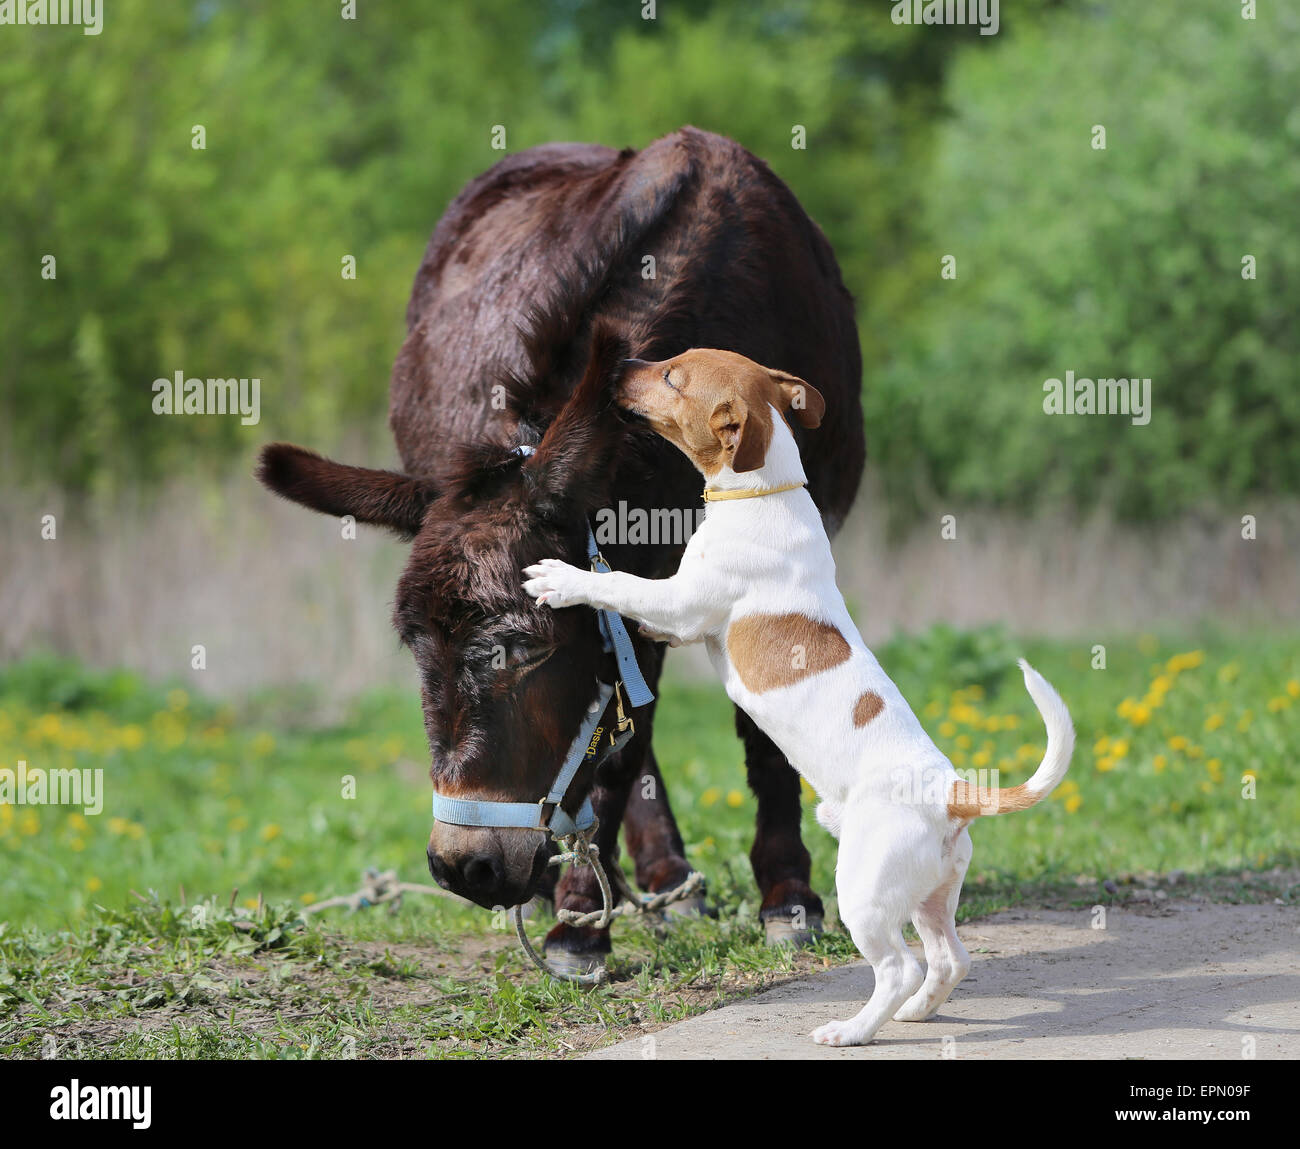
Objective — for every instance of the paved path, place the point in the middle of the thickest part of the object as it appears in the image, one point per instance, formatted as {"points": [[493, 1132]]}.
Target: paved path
{"points": [[1178, 980]]}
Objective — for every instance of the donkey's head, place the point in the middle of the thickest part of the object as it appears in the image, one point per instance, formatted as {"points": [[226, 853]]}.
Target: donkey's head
{"points": [[505, 686]]}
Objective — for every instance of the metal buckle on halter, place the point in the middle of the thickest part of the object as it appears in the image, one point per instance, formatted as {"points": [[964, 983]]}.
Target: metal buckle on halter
{"points": [[544, 815], [623, 724]]}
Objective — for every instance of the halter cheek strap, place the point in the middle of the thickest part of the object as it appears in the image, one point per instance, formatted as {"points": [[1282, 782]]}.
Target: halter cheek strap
{"points": [[548, 814]]}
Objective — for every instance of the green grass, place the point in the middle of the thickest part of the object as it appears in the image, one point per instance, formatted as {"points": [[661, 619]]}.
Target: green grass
{"points": [[103, 951]]}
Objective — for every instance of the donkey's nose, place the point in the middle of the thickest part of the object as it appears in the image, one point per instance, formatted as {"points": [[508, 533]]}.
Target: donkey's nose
{"points": [[482, 874]]}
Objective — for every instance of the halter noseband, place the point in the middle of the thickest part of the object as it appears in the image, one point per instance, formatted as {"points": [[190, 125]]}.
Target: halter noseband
{"points": [[548, 814]]}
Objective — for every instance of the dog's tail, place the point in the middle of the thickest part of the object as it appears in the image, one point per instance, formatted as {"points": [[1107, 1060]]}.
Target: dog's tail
{"points": [[970, 800]]}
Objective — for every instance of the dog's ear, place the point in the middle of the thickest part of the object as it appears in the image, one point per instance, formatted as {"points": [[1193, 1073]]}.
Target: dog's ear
{"points": [[742, 433], [802, 398]]}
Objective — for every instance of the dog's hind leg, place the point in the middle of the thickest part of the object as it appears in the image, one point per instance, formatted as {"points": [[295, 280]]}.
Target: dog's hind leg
{"points": [[946, 958], [876, 876]]}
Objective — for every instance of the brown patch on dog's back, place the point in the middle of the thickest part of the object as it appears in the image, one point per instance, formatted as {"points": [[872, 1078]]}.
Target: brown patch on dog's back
{"points": [[775, 650], [867, 707]]}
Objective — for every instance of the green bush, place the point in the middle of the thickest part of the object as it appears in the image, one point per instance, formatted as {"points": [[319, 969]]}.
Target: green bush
{"points": [[1112, 263]]}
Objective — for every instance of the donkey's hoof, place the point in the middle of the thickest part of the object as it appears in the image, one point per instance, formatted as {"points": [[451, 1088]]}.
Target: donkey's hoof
{"points": [[566, 963], [686, 908], [784, 932]]}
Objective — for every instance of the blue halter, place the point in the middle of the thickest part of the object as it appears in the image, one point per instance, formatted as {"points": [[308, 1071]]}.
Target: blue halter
{"points": [[548, 814]]}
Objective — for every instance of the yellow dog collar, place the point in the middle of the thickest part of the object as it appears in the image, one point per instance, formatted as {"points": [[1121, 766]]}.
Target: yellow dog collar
{"points": [[715, 496]]}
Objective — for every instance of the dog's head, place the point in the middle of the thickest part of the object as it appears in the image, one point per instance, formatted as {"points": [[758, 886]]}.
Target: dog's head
{"points": [[716, 406]]}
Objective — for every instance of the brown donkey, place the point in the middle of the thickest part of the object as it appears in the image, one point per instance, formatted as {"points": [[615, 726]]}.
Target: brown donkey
{"points": [[691, 242]]}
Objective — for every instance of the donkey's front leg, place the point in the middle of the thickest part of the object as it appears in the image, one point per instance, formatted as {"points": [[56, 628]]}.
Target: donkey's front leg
{"points": [[581, 949], [791, 911]]}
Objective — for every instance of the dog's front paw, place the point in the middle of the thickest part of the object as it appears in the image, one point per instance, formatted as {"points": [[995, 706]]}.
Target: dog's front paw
{"points": [[554, 583]]}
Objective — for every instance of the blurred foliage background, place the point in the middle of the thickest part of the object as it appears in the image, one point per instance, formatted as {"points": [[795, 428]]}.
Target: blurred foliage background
{"points": [[328, 137]]}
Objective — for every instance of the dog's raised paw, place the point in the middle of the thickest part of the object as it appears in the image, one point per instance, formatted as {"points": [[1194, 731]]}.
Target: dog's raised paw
{"points": [[554, 583]]}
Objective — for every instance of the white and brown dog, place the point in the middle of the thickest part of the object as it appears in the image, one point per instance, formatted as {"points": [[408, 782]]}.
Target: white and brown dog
{"points": [[757, 585]]}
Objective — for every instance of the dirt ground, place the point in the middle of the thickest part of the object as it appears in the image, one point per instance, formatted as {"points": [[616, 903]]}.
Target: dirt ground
{"points": [[1172, 980]]}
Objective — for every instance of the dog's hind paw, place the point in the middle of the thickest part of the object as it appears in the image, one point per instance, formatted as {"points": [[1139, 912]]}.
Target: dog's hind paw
{"points": [[841, 1033], [918, 1009]]}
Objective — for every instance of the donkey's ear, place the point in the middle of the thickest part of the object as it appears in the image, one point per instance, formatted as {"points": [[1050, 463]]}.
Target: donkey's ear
{"points": [[575, 457], [383, 498]]}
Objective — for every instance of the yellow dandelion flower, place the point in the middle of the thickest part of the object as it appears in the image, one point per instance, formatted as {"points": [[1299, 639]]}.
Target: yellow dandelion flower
{"points": [[1278, 704], [947, 729], [981, 758], [236, 825], [1214, 721], [1159, 763], [1101, 745], [131, 737], [1106, 764], [270, 832], [963, 741], [307, 899], [1119, 748], [134, 831], [93, 884], [735, 799], [1293, 688], [710, 796], [1072, 804], [1228, 672], [78, 822], [1125, 708], [77, 845], [1141, 714], [117, 825], [1178, 742], [1194, 752]]}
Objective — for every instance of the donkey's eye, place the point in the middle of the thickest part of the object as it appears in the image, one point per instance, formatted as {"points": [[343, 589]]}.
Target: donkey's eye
{"points": [[526, 661]]}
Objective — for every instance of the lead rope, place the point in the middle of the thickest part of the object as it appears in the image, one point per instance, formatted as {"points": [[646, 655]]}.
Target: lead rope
{"points": [[582, 851]]}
